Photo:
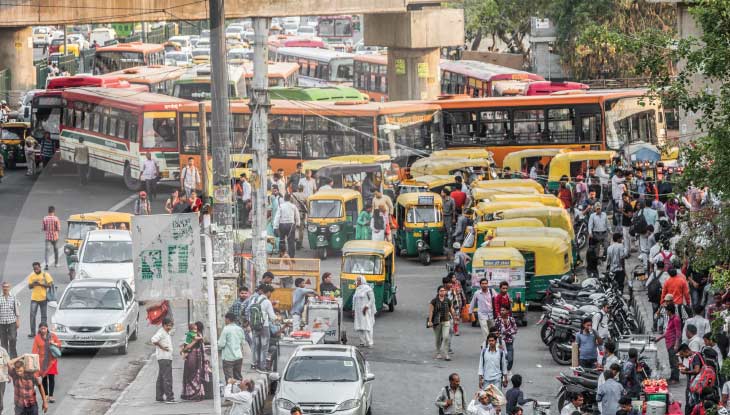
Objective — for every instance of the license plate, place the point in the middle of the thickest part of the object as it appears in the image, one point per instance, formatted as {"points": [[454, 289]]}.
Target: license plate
{"points": [[417, 234], [79, 337]]}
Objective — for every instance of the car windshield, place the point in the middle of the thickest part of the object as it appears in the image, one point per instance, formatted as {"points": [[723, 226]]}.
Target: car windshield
{"points": [[362, 264], [423, 214], [107, 252], [325, 209], [321, 369], [91, 298], [78, 230]]}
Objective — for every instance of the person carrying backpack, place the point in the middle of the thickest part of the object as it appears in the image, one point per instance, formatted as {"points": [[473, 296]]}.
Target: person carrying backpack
{"points": [[492, 365], [699, 376], [451, 399], [261, 314]]}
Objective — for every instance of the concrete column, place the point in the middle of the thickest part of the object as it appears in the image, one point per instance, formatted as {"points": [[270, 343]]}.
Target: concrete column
{"points": [[16, 54], [413, 74]]}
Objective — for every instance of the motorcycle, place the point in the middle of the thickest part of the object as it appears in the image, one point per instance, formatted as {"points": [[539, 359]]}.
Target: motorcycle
{"points": [[580, 228]]}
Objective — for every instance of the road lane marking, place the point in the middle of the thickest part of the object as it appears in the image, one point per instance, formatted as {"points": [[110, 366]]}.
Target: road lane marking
{"points": [[122, 203]]}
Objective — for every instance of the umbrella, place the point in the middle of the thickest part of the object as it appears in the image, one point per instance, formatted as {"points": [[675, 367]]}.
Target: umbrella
{"points": [[644, 152]]}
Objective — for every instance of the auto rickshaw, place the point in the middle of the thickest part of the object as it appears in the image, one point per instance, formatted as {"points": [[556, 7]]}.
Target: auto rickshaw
{"points": [[332, 219], [241, 163], [573, 163], [420, 225], [80, 224], [502, 264], [472, 168], [520, 162], [475, 235], [429, 183], [546, 258], [286, 271], [502, 183], [354, 175], [375, 261], [486, 211], [481, 194], [12, 141], [463, 152], [545, 199]]}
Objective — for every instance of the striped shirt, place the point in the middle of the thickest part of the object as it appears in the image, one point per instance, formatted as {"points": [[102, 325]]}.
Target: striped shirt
{"points": [[51, 226], [8, 309]]}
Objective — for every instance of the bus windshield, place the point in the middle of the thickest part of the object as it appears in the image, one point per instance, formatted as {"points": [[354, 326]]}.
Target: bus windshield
{"points": [[106, 62], [47, 119], [159, 130], [341, 70]]}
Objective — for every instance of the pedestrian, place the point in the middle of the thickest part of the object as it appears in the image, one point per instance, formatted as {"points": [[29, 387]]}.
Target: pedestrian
{"points": [[172, 201], [461, 264], [698, 280], [149, 174], [327, 288], [502, 299], [363, 305], [465, 219], [677, 286], [672, 336], [286, 221], [47, 149], [4, 378], [190, 178], [243, 399], [81, 159], [38, 283], [295, 177], [598, 230], [231, 344], [698, 320], [609, 393], [588, 341], [565, 194], [279, 180], [299, 299], [43, 345], [238, 307], [448, 214], [328, 183], [299, 199], [362, 228], [163, 352], [631, 376], [29, 150], [710, 343], [626, 405], [451, 399], [9, 321], [693, 368], [196, 203], [492, 365], [574, 405], [24, 386], [380, 200], [197, 381], [458, 196], [480, 405], [142, 204], [51, 228], [506, 328], [515, 396], [245, 200], [456, 295], [694, 341], [310, 184], [440, 315], [261, 316], [600, 322], [483, 302], [627, 214], [380, 223], [615, 258], [581, 191]]}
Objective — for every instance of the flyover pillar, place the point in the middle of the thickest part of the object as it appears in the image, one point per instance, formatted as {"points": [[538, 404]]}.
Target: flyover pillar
{"points": [[413, 39], [16, 54]]}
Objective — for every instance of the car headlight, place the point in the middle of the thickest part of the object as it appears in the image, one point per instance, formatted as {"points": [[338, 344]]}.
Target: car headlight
{"points": [[58, 328], [312, 228], [284, 404], [114, 328], [334, 228], [348, 405]]}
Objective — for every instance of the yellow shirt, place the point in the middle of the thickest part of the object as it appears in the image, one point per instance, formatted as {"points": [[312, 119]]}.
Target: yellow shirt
{"points": [[38, 293]]}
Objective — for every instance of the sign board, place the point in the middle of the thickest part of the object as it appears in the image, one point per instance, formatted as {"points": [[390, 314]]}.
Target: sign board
{"points": [[496, 271], [400, 66], [422, 69], [167, 257]]}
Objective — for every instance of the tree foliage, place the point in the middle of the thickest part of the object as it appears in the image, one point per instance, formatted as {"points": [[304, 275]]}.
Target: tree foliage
{"points": [[506, 20]]}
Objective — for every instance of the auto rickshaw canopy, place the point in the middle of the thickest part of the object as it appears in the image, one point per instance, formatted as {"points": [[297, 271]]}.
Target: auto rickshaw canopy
{"points": [[560, 164], [479, 193], [464, 152], [551, 217], [419, 198], [506, 183], [337, 194], [514, 159], [551, 254], [429, 182], [102, 217], [483, 209], [545, 199], [451, 165], [383, 248]]}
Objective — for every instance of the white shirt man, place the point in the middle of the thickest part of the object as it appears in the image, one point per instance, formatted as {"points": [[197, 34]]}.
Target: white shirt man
{"points": [[287, 213], [533, 172], [245, 189], [602, 175], [597, 222], [700, 322], [190, 178], [149, 170], [242, 400], [310, 185]]}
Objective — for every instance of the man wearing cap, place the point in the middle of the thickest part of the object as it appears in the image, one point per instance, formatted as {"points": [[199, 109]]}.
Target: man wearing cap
{"points": [[142, 205]]}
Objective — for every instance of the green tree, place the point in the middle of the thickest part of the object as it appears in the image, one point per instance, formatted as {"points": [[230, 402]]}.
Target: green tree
{"points": [[506, 20]]}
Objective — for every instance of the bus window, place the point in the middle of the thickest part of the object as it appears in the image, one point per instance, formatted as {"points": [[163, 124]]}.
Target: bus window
{"points": [[460, 126], [159, 131], [494, 127], [561, 125], [528, 125], [343, 28], [342, 71]]}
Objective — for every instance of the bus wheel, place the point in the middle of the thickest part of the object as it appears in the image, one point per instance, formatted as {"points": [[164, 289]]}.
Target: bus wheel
{"points": [[131, 183]]}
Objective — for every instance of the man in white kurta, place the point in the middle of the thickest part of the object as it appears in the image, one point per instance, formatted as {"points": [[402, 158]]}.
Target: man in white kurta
{"points": [[363, 304]]}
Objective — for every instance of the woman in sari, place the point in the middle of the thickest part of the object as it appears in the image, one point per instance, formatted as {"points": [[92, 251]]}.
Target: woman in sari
{"points": [[363, 304], [196, 371], [46, 359]]}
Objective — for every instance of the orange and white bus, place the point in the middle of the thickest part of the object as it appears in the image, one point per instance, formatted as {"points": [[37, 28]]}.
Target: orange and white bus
{"points": [[305, 130], [156, 78], [370, 76], [318, 67], [589, 121], [480, 79], [119, 127], [284, 74], [127, 55]]}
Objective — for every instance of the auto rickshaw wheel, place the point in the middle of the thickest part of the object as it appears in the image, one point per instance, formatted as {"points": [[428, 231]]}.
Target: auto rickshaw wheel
{"points": [[322, 253], [425, 257], [392, 304]]}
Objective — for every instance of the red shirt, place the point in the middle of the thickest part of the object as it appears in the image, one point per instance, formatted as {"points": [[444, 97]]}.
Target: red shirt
{"points": [[673, 331], [51, 226], [459, 198], [500, 299]]}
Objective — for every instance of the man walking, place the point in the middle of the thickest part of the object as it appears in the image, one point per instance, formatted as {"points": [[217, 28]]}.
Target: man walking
{"points": [[449, 214], [81, 159], [149, 174], [299, 199], [24, 386], [9, 322], [238, 308], [47, 149], [440, 315], [261, 314], [483, 302], [615, 257], [451, 400], [598, 229], [4, 378], [492, 365], [295, 177], [190, 178], [38, 283], [231, 343], [51, 228], [286, 220], [29, 149], [163, 352]]}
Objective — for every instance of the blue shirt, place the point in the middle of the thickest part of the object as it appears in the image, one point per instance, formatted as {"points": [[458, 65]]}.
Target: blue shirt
{"points": [[298, 297], [231, 342], [608, 395], [586, 345]]}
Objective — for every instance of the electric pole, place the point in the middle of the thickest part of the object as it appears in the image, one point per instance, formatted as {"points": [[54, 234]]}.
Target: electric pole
{"points": [[259, 105], [222, 220]]}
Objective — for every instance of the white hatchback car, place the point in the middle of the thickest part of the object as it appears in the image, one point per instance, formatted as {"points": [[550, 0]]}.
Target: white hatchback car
{"points": [[106, 253], [325, 379]]}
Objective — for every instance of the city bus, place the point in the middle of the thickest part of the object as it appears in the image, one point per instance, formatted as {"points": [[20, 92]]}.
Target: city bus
{"points": [[120, 126], [155, 78], [370, 76], [318, 67], [127, 55], [281, 41], [336, 31], [590, 121], [324, 93], [553, 87], [280, 74], [305, 130], [480, 79]]}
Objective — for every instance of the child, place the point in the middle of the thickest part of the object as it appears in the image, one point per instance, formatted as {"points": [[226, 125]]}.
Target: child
{"points": [[191, 334], [514, 396]]}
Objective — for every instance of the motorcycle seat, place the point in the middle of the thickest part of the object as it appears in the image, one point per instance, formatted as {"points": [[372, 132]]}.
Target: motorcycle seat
{"points": [[565, 285], [588, 383]]}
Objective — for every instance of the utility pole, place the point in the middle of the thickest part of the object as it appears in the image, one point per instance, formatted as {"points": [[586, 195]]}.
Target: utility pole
{"points": [[203, 132], [222, 220], [259, 105]]}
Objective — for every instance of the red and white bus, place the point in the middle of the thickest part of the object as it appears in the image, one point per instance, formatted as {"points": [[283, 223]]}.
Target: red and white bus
{"points": [[480, 79], [127, 55], [336, 31], [551, 87], [155, 78]]}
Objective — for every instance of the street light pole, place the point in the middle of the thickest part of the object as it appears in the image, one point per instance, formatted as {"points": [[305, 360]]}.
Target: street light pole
{"points": [[259, 127]]}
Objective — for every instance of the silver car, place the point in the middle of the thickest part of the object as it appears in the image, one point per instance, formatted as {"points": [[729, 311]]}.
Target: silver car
{"points": [[324, 379], [97, 313]]}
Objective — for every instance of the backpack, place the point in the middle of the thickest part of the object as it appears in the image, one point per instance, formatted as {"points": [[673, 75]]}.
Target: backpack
{"points": [[256, 314], [667, 259], [712, 359], [654, 290], [378, 222], [706, 378], [638, 223], [448, 397]]}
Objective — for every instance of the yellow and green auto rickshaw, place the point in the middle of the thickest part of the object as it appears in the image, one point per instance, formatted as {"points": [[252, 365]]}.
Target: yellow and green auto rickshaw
{"points": [[420, 225], [375, 260], [286, 271], [520, 162], [332, 219], [475, 235], [464, 152], [545, 198], [470, 169], [546, 258], [486, 211], [12, 140], [498, 264], [80, 224], [574, 163], [480, 194], [504, 183], [429, 183]]}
